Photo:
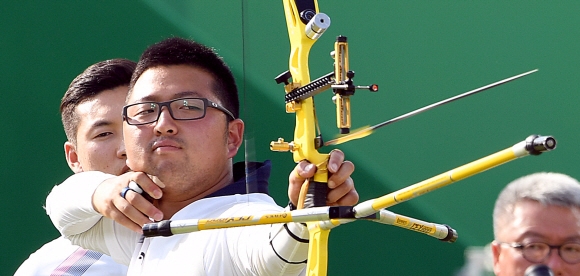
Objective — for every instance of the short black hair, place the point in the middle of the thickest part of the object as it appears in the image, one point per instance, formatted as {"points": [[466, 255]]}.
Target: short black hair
{"points": [[179, 51], [101, 76]]}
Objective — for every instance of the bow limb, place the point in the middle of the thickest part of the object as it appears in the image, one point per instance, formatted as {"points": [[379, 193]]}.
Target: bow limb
{"points": [[298, 15], [305, 130]]}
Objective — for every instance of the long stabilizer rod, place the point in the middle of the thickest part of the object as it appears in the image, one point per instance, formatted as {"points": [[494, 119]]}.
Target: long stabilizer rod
{"points": [[533, 145]]}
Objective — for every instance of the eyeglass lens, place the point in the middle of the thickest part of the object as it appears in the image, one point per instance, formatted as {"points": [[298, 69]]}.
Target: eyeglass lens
{"points": [[180, 109], [538, 252]]}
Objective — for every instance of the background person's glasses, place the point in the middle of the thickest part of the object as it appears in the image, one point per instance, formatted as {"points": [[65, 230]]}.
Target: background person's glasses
{"points": [[179, 109], [537, 252]]}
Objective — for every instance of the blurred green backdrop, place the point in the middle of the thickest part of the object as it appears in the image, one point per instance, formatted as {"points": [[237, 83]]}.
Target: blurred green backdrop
{"points": [[419, 52]]}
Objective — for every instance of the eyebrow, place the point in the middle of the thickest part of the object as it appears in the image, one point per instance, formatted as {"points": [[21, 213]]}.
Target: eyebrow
{"points": [[531, 234], [100, 123], [178, 95]]}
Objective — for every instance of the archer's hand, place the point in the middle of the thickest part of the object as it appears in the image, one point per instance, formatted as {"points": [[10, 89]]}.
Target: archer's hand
{"points": [[132, 211], [340, 184]]}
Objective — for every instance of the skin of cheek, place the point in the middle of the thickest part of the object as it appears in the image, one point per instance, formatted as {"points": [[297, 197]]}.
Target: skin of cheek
{"points": [[554, 224], [135, 152]]}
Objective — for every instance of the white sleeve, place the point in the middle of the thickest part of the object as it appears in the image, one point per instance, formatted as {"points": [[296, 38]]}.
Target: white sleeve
{"points": [[288, 250], [277, 249], [69, 205], [109, 238], [290, 242]]}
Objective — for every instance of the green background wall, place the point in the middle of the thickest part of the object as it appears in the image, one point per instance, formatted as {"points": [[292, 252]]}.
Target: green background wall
{"points": [[419, 52]]}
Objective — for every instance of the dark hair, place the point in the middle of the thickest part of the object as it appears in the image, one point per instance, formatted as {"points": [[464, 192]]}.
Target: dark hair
{"points": [[101, 76], [179, 51]]}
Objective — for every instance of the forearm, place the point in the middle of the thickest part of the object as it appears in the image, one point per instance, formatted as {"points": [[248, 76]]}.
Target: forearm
{"points": [[277, 249], [69, 205], [70, 208], [288, 250], [109, 238]]}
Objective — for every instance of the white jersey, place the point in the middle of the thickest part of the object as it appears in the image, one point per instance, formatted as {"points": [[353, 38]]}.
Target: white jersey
{"points": [[252, 250], [60, 257], [234, 251]]}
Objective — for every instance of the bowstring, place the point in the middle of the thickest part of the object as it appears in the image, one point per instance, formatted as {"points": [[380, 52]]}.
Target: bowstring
{"points": [[248, 145]]}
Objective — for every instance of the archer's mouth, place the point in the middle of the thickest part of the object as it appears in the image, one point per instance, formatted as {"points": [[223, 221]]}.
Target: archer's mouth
{"points": [[165, 145]]}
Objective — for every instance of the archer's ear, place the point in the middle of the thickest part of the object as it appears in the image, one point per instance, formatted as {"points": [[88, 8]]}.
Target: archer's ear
{"points": [[72, 157], [235, 136]]}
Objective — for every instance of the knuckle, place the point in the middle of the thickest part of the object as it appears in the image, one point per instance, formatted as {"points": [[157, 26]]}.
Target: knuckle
{"points": [[124, 208], [349, 183], [150, 211]]}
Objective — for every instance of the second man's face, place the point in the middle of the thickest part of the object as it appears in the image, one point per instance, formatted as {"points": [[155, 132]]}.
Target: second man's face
{"points": [[99, 145]]}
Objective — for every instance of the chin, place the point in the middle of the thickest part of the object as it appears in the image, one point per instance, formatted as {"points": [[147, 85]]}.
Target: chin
{"points": [[161, 169]]}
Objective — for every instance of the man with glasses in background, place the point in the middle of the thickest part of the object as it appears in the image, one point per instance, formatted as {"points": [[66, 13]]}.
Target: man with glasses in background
{"points": [[536, 220]]}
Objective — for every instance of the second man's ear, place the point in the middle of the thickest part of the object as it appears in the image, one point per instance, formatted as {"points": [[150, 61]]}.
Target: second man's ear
{"points": [[72, 157]]}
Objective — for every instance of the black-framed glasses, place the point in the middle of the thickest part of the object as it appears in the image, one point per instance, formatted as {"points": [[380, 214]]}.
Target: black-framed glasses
{"points": [[179, 109], [537, 252]]}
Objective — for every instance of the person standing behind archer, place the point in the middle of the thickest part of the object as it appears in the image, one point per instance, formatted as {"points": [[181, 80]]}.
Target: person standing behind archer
{"points": [[90, 111]]}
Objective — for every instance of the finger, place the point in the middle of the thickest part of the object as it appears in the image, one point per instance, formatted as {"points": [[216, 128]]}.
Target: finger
{"points": [[144, 208], [119, 217], [344, 194], [335, 159], [149, 187], [350, 199], [301, 172], [304, 170], [128, 210], [335, 195], [344, 172]]}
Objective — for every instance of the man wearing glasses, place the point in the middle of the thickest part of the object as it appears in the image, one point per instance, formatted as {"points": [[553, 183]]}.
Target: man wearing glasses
{"points": [[181, 131], [536, 220]]}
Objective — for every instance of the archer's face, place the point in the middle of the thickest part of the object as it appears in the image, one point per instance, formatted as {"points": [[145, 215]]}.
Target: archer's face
{"points": [[99, 145], [533, 222], [188, 156]]}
